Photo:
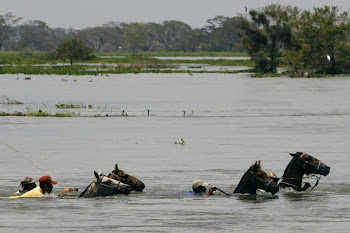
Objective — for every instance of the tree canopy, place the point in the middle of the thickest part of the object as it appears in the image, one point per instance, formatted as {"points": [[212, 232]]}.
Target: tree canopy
{"points": [[73, 49], [309, 41]]}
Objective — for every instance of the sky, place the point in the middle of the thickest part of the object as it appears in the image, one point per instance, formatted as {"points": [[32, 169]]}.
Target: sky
{"points": [[80, 14]]}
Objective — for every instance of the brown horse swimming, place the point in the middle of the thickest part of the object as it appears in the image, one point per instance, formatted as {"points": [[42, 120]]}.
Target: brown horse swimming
{"points": [[121, 176], [255, 178], [104, 186], [300, 165]]}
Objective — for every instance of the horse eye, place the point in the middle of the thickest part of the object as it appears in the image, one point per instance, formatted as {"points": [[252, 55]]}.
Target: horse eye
{"points": [[108, 181]]}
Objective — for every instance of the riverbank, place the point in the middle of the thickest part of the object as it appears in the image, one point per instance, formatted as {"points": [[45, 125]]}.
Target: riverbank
{"points": [[126, 62]]}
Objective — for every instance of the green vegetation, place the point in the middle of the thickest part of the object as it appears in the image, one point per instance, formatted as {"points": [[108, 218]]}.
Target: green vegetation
{"points": [[175, 53], [15, 58], [72, 49], [39, 113], [309, 43], [95, 70], [67, 106]]}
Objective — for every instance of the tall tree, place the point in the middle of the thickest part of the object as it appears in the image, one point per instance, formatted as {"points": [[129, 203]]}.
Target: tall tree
{"points": [[322, 41], [224, 33], [6, 23], [169, 35], [135, 36], [36, 35], [101, 38], [73, 49], [268, 35]]}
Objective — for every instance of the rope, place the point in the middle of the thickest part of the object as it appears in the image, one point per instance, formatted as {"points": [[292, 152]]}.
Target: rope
{"points": [[318, 179], [223, 191], [31, 161]]}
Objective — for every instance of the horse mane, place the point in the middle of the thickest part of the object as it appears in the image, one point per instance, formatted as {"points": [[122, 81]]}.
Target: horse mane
{"points": [[291, 162], [241, 181]]}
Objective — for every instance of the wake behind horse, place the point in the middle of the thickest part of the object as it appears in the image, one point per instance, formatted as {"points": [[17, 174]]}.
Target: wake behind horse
{"points": [[300, 165], [255, 178], [121, 176], [104, 186]]}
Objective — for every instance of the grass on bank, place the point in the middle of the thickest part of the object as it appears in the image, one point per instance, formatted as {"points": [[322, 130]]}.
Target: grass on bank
{"points": [[14, 57], [41, 113], [94, 70], [173, 54], [118, 63]]}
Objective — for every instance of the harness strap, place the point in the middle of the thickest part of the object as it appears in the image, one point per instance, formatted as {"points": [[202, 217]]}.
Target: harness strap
{"points": [[290, 185], [122, 178]]}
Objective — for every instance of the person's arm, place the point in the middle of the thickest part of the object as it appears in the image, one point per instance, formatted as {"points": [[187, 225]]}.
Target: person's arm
{"points": [[210, 191]]}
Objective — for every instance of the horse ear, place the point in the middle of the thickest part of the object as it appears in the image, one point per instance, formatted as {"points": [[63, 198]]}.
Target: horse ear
{"points": [[292, 154], [116, 167], [255, 167], [96, 175], [259, 165]]}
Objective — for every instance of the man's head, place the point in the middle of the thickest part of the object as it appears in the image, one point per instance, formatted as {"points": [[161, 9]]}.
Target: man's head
{"points": [[273, 176], [199, 186], [46, 183], [27, 184]]}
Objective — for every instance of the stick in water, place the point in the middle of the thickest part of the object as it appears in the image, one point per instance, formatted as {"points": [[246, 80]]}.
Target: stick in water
{"points": [[31, 161]]}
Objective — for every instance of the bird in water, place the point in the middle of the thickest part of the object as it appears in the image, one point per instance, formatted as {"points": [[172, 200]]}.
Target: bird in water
{"points": [[181, 142]]}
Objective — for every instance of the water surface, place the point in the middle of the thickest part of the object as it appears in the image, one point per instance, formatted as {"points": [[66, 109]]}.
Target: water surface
{"points": [[230, 122]]}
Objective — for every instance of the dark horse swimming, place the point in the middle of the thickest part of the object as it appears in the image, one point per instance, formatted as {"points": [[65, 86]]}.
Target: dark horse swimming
{"points": [[104, 186], [255, 178], [121, 176], [300, 165]]}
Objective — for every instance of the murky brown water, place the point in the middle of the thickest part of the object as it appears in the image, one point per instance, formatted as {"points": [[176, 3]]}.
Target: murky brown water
{"points": [[231, 121]]}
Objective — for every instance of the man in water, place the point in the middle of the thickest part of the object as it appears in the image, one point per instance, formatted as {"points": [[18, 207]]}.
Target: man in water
{"points": [[199, 188], [27, 184], [45, 188]]}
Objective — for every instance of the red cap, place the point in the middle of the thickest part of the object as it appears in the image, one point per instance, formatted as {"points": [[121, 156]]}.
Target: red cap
{"points": [[47, 180]]}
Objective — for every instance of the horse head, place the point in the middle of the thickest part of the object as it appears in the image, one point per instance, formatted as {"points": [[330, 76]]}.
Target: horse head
{"points": [[255, 178], [310, 164], [104, 186], [300, 165], [121, 176]]}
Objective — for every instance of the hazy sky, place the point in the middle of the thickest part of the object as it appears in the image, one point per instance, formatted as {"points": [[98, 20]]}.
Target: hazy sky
{"points": [[80, 14]]}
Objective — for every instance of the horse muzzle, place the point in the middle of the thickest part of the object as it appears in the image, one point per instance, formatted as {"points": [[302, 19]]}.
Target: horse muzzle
{"points": [[272, 187], [323, 170]]}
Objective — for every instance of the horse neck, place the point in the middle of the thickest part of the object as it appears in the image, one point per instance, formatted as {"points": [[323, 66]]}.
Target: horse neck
{"points": [[91, 191], [293, 174], [245, 185]]}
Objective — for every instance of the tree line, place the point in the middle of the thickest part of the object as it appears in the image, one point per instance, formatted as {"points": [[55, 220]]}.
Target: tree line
{"points": [[220, 35], [308, 42]]}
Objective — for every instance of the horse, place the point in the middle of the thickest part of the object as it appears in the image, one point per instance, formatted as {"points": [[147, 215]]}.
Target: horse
{"points": [[255, 178], [302, 164], [121, 176], [104, 186]]}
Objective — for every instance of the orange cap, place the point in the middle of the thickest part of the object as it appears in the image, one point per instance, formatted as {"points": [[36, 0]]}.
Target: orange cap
{"points": [[47, 180]]}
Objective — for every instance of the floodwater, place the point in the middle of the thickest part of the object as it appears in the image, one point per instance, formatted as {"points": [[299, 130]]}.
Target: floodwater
{"points": [[231, 121]]}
